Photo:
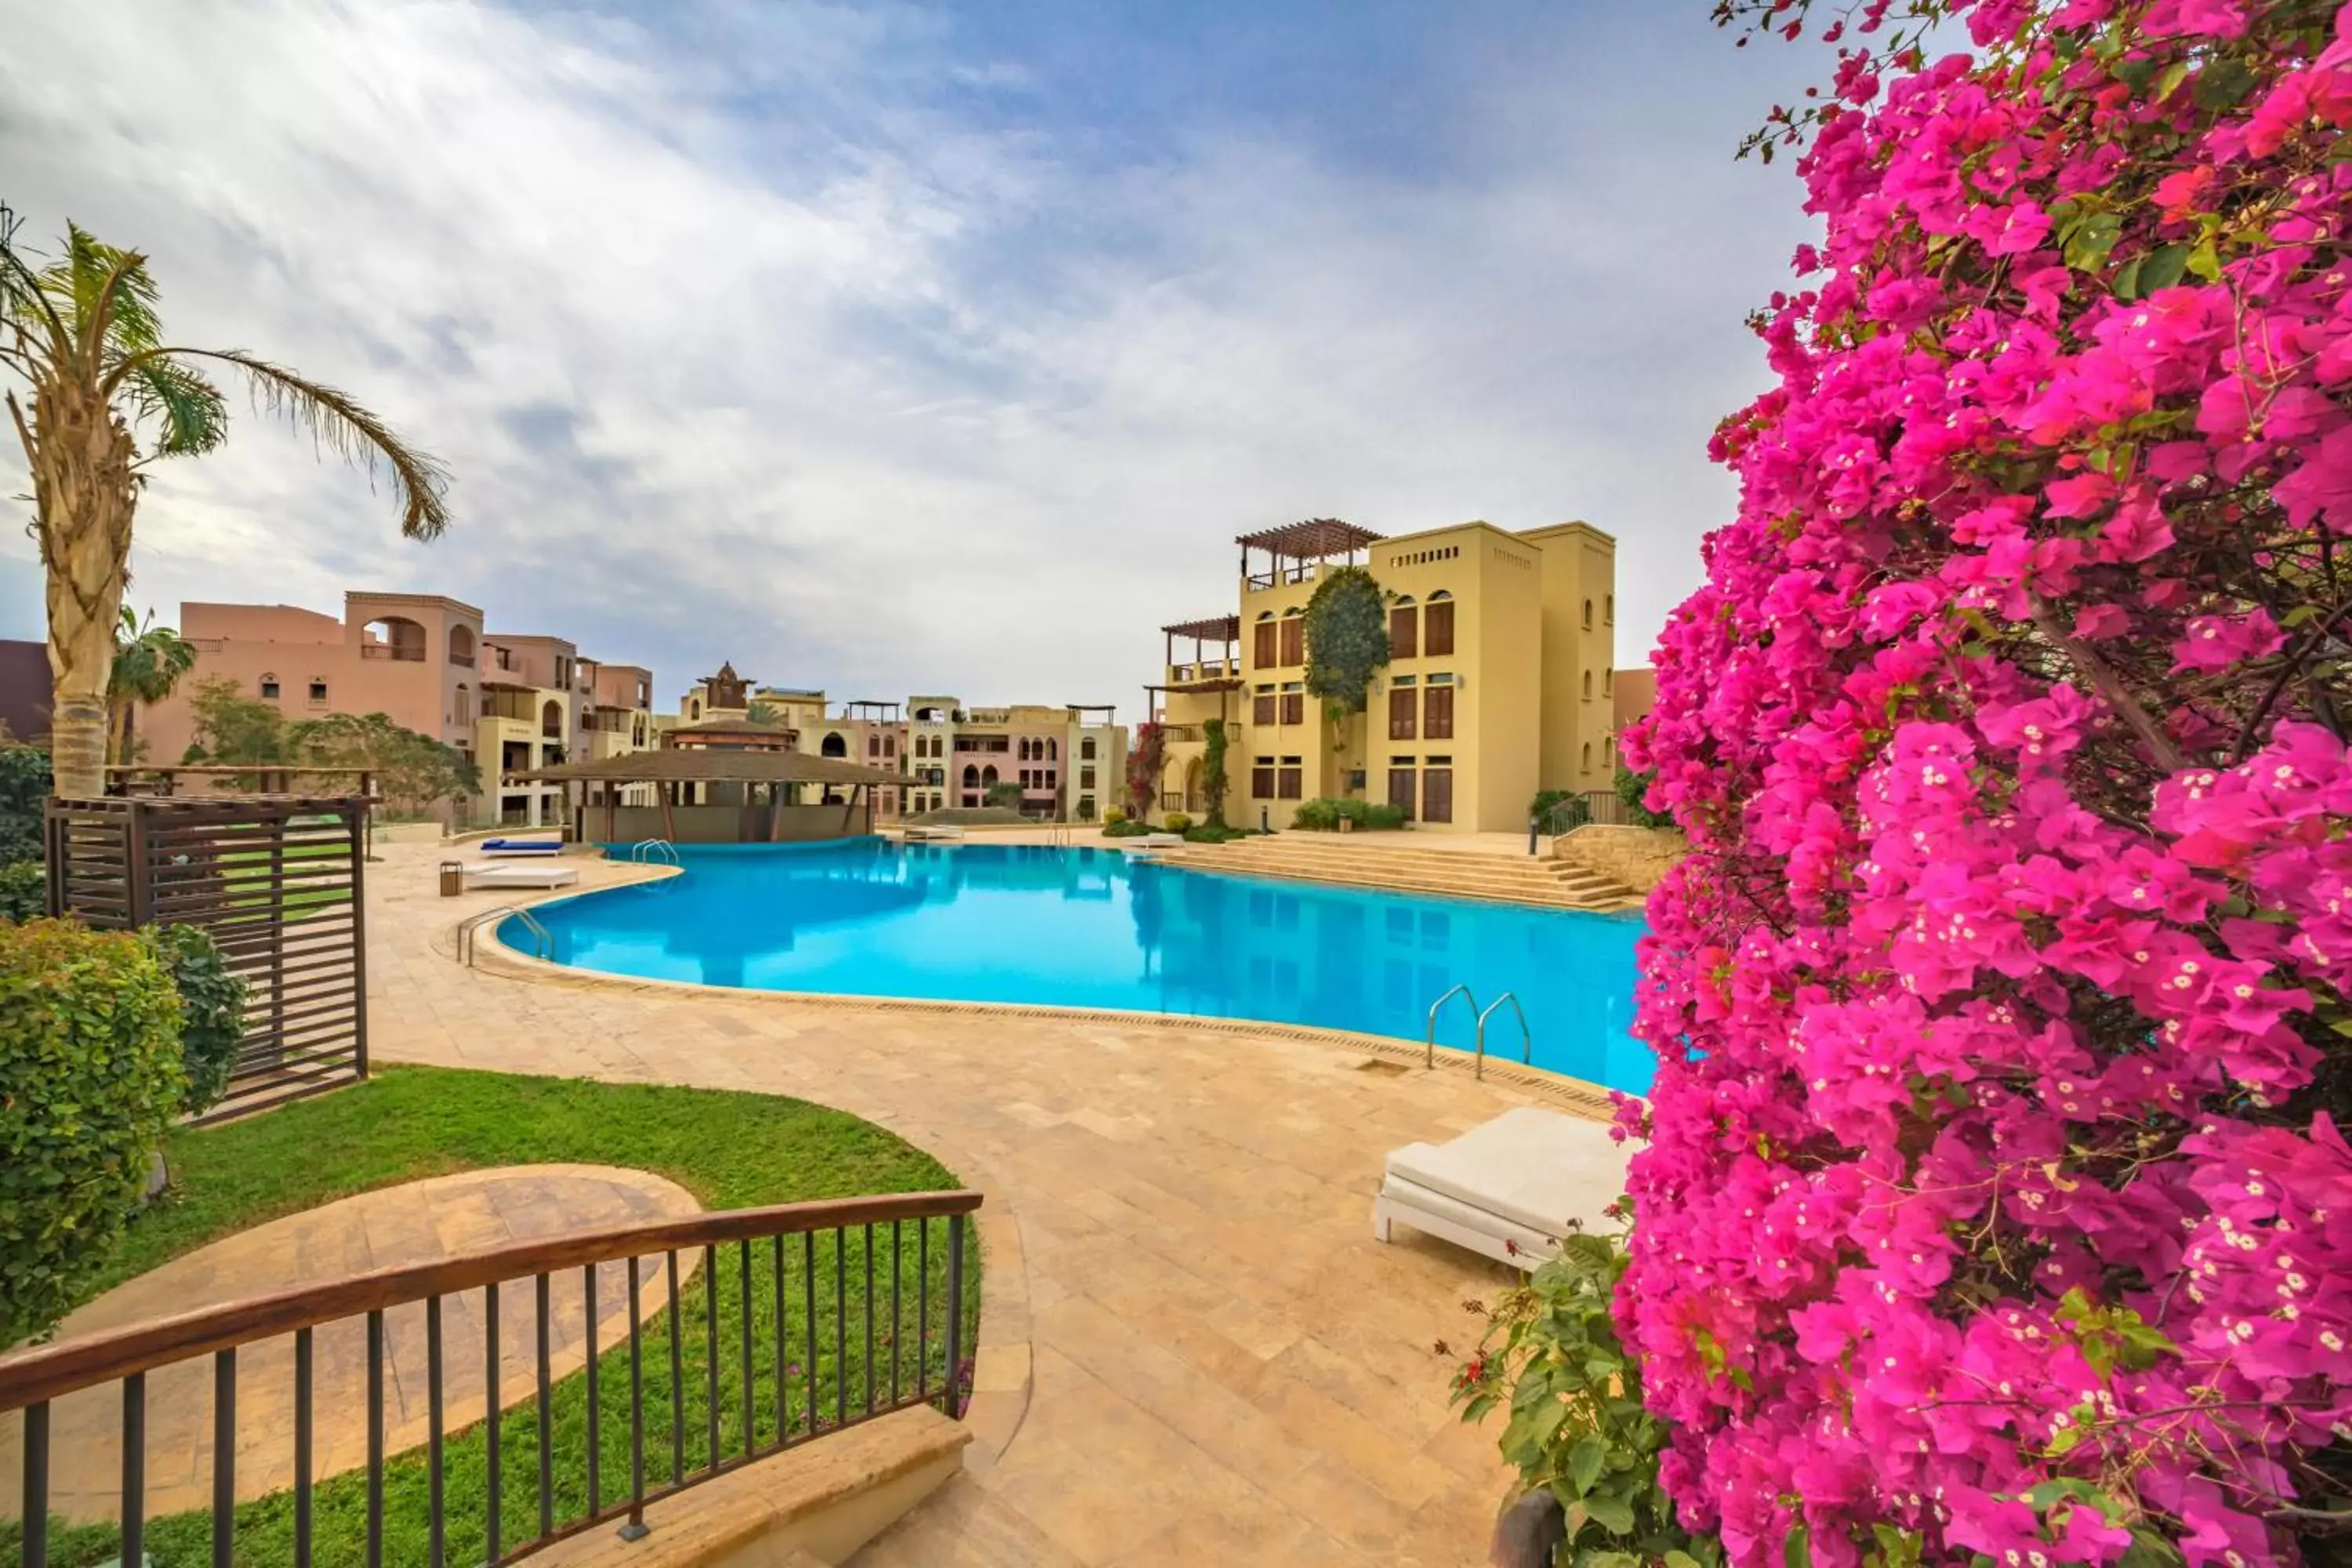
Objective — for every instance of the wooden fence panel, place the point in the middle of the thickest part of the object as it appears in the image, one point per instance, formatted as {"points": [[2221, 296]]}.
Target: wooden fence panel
{"points": [[277, 880]]}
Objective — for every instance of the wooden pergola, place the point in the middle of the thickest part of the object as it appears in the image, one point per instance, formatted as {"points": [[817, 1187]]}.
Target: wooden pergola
{"points": [[670, 767], [1295, 547]]}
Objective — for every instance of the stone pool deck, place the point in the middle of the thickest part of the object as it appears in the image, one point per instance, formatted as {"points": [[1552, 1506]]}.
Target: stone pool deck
{"points": [[1193, 1350]]}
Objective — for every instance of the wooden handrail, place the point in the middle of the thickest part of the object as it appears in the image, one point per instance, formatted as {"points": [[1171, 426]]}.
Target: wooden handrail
{"points": [[47, 1372]]}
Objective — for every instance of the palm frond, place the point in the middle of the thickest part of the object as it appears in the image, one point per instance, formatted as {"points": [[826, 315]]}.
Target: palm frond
{"points": [[419, 481], [24, 304], [111, 292], [194, 413]]}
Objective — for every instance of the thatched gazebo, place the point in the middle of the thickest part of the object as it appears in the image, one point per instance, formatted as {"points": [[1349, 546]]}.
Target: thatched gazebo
{"points": [[762, 805]]}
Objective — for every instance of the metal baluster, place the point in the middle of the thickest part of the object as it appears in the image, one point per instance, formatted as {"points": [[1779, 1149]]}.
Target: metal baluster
{"points": [[134, 1466], [808, 1283], [37, 1485], [302, 1438], [677, 1382], [596, 1434], [433, 1459], [490, 1382], [923, 1306], [784, 1338], [546, 1421], [635, 1528], [375, 1440], [743, 1261], [711, 1343], [225, 1458], [955, 1314], [840, 1327], [869, 1317]]}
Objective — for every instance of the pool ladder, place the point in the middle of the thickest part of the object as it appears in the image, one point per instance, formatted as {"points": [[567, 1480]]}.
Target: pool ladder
{"points": [[654, 851], [1478, 1068], [542, 945]]}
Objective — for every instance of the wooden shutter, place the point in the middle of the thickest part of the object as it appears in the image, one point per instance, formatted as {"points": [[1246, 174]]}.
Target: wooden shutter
{"points": [[1262, 781], [1264, 652], [1401, 712], [1437, 713], [1437, 628], [1437, 794], [1402, 623], [1401, 791], [1293, 780], [1262, 710], [1294, 640], [1294, 708]]}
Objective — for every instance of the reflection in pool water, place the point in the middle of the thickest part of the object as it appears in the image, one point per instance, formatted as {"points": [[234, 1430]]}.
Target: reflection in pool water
{"points": [[1089, 928]]}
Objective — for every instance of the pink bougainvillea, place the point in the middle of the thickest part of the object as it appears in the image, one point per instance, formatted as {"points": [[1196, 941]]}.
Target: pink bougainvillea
{"points": [[1998, 1204]]}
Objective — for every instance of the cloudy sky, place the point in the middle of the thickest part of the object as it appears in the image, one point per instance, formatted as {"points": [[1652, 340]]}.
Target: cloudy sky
{"points": [[917, 347]]}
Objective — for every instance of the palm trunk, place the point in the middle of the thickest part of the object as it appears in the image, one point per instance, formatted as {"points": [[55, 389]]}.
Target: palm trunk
{"points": [[83, 492]]}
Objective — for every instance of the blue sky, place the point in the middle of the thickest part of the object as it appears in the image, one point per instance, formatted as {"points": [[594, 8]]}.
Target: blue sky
{"points": [[919, 347]]}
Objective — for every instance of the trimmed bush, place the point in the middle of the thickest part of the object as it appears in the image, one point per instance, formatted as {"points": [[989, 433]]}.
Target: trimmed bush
{"points": [[1178, 822], [90, 1078], [1325, 816], [24, 890], [1113, 817], [1315, 816], [211, 1004], [1126, 827], [24, 796]]}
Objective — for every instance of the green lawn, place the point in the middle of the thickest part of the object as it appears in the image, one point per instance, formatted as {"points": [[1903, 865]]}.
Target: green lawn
{"points": [[251, 867], [730, 1150]]}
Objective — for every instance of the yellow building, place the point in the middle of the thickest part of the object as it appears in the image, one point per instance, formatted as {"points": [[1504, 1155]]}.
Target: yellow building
{"points": [[1500, 681]]}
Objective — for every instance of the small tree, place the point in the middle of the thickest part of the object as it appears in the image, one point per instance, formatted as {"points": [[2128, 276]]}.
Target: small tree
{"points": [[411, 771], [1212, 772], [1007, 795], [1347, 637], [232, 727], [1144, 761], [149, 662]]}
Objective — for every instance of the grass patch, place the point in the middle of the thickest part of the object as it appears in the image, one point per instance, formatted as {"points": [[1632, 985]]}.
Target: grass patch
{"points": [[730, 1150], [250, 868]]}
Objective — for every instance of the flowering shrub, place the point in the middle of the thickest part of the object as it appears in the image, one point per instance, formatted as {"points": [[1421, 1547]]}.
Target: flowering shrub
{"points": [[1997, 1205]]}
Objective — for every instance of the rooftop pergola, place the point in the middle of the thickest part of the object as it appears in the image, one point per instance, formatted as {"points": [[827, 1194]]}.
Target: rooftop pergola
{"points": [[1295, 546], [1222, 629], [668, 768], [869, 711]]}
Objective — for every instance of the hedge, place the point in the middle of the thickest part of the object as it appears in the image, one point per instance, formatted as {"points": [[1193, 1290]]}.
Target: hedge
{"points": [[91, 1078]]}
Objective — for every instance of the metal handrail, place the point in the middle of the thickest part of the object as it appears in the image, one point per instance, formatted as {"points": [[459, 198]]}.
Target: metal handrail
{"points": [[646, 850], [1429, 1055], [1527, 1039], [469, 933]]}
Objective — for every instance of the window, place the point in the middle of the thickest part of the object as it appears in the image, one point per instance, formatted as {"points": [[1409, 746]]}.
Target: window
{"points": [[1588, 686], [269, 688], [1262, 651], [1437, 626], [1588, 756], [1262, 706], [1588, 614], [1401, 790], [1289, 780], [1436, 713], [873, 745], [1404, 630], [693, 707], [889, 745], [551, 719], [1608, 681], [462, 710], [1086, 778], [1294, 707], [318, 689], [1609, 608], [1086, 748], [1437, 789], [1262, 780], [1404, 706], [461, 645], [1293, 638], [1608, 748], [971, 775]]}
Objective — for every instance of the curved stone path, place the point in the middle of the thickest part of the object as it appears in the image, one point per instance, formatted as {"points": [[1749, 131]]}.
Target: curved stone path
{"points": [[417, 1222], [1192, 1349]]}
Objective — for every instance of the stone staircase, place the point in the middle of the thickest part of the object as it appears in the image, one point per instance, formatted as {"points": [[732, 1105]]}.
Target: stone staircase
{"points": [[1344, 860]]}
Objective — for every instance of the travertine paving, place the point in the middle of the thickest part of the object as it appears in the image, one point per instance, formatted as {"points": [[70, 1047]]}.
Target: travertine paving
{"points": [[1191, 1352], [417, 1222]]}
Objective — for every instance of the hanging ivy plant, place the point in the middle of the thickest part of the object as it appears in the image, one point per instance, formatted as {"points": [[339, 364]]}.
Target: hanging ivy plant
{"points": [[1212, 772], [1347, 637]]}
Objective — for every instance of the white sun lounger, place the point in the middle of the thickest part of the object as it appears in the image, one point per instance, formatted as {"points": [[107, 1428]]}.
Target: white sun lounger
{"points": [[1507, 1188], [1155, 841], [513, 874], [933, 834]]}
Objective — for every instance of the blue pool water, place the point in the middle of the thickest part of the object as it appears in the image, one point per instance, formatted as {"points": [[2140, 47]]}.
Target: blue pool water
{"points": [[1091, 927]]}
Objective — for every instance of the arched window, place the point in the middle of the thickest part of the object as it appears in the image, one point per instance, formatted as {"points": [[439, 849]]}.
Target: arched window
{"points": [[693, 707], [1588, 686], [1608, 748], [461, 645], [396, 637], [988, 775], [318, 688], [1609, 681], [1588, 756], [1086, 748], [269, 689], [637, 730], [462, 707], [971, 776], [1588, 614], [551, 719], [1052, 750], [833, 746], [1609, 608]]}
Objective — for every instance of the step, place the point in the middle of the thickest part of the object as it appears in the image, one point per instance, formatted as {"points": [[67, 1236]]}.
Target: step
{"points": [[1389, 870], [1540, 893]]}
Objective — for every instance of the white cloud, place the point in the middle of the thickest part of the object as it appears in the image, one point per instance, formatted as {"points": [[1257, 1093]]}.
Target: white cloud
{"points": [[764, 338]]}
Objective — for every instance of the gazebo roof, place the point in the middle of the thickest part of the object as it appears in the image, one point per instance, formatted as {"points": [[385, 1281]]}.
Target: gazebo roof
{"points": [[1312, 539], [1211, 629], [689, 766], [732, 727]]}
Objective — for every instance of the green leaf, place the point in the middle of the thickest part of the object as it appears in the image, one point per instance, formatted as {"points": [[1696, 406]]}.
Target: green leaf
{"points": [[1612, 1514], [2174, 75], [1584, 1462], [2125, 286], [2089, 242], [1682, 1559], [2221, 84], [2161, 269], [2205, 261], [1796, 1551]]}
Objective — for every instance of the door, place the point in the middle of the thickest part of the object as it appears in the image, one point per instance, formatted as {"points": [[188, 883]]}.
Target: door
{"points": [[1401, 791], [1437, 794]]}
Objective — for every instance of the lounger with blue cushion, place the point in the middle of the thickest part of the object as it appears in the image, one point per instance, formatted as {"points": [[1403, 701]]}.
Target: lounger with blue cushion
{"points": [[521, 846]]}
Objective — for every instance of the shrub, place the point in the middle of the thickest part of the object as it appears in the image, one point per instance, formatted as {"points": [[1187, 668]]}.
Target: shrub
{"points": [[1993, 1206], [1347, 637], [1551, 1358], [212, 1007], [1113, 817], [1316, 816], [23, 797], [1144, 761], [24, 890], [1177, 822], [1126, 827], [1560, 810], [1213, 833], [1382, 818], [1633, 789], [90, 1079]]}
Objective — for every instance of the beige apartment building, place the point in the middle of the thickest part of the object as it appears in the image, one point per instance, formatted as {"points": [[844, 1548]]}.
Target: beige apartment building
{"points": [[1500, 679]]}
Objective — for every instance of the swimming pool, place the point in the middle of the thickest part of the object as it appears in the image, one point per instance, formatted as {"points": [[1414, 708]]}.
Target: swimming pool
{"points": [[1091, 927]]}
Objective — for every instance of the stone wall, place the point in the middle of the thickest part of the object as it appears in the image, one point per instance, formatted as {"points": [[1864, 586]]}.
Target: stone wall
{"points": [[1638, 857]]}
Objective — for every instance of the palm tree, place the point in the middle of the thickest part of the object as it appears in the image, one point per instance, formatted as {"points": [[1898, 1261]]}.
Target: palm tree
{"points": [[149, 661], [82, 334]]}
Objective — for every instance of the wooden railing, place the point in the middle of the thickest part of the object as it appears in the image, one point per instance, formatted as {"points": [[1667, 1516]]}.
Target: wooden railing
{"points": [[760, 1385]]}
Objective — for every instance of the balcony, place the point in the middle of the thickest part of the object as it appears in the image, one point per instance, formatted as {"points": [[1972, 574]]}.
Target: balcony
{"points": [[404, 655], [1183, 735]]}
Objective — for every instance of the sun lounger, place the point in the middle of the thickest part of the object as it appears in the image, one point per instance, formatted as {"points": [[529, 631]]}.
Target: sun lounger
{"points": [[1155, 841], [1507, 1188], [511, 874], [933, 834], [521, 846]]}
